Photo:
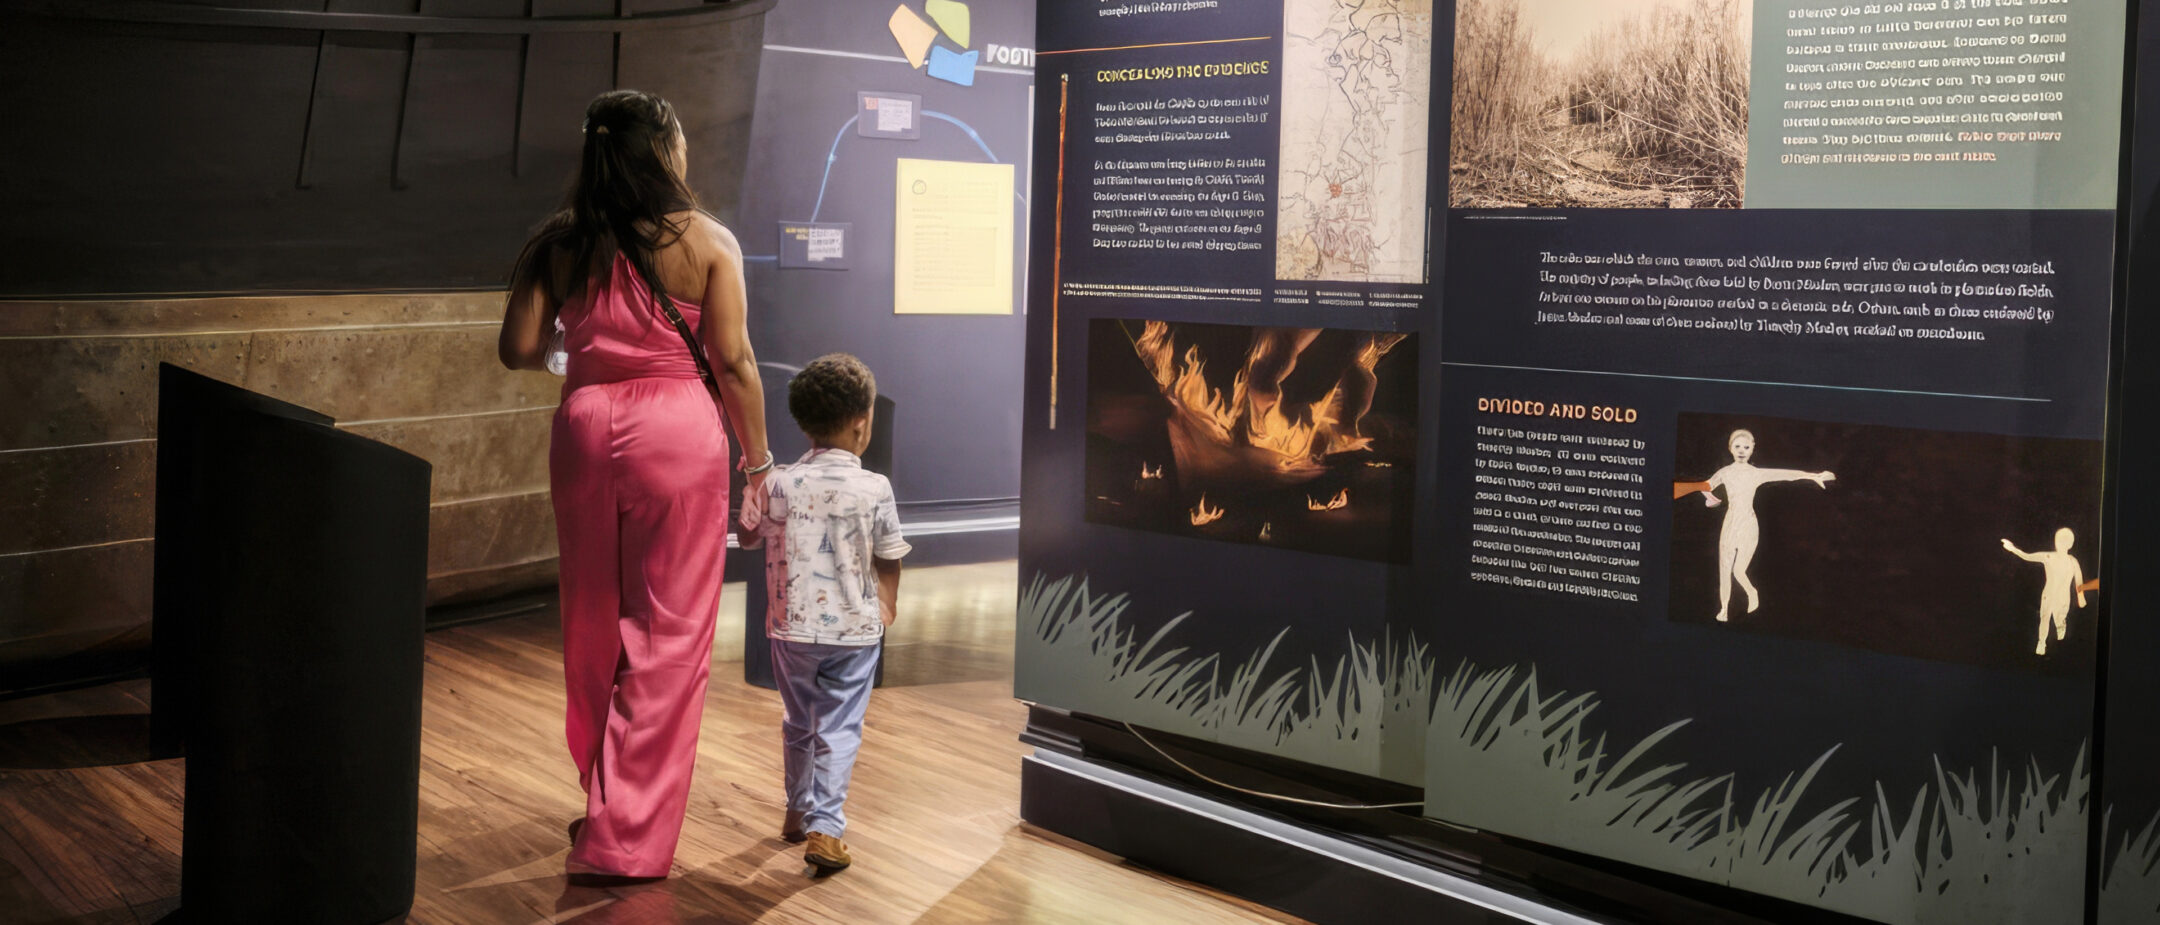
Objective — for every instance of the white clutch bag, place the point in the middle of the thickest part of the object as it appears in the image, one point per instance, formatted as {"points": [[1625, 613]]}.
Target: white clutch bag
{"points": [[558, 357]]}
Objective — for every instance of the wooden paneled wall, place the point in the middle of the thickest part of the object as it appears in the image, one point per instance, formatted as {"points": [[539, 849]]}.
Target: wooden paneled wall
{"points": [[78, 446]]}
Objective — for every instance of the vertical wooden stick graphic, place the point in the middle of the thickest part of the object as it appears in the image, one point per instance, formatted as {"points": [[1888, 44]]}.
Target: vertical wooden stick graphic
{"points": [[1057, 246]]}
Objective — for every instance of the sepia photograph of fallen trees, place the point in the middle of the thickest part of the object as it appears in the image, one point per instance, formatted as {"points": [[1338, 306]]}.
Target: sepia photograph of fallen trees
{"points": [[1600, 104]]}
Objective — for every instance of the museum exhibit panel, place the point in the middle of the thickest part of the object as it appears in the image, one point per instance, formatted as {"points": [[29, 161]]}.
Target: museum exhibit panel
{"points": [[1677, 456]]}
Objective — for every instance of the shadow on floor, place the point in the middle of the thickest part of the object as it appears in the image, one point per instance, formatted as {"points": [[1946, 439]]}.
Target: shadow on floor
{"points": [[917, 663], [710, 895], [76, 742]]}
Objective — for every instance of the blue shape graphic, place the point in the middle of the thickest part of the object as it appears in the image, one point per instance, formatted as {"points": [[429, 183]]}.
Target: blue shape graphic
{"points": [[952, 66]]}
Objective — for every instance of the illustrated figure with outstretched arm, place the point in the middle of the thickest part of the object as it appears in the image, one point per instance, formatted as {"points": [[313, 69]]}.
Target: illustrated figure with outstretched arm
{"points": [[2064, 577], [1741, 532]]}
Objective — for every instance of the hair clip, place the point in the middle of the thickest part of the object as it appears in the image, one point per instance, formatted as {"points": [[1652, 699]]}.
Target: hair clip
{"points": [[602, 130]]}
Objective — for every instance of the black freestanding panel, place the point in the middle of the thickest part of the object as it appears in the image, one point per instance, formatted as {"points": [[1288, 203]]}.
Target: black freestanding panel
{"points": [[291, 576], [194, 412]]}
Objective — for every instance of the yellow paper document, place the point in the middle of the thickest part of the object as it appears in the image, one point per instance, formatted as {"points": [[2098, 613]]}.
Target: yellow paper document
{"points": [[953, 239]]}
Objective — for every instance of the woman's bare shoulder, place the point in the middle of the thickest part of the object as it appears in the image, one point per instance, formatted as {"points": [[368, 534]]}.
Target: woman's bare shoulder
{"points": [[705, 236]]}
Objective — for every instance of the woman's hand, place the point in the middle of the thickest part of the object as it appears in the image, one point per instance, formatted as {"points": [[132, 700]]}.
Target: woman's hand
{"points": [[753, 504]]}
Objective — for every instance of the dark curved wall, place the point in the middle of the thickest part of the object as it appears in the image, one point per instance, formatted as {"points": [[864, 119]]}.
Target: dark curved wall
{"points": [[170, 157], [349, 202]]}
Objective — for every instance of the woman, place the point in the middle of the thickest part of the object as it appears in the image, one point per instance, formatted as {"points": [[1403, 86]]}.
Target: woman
{"points": [[638, 465]]}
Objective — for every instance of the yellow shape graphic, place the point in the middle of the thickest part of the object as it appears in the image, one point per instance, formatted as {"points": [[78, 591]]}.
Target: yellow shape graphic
{"points": [[951, 16], [913, 33]]}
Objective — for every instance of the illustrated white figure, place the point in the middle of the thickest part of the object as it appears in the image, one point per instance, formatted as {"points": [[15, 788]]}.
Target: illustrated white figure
{"points": [[2064, 577], [1742, 532]]}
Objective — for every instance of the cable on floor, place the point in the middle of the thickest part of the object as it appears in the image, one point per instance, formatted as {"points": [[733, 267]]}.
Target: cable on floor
{"points": [[1264, 795]]}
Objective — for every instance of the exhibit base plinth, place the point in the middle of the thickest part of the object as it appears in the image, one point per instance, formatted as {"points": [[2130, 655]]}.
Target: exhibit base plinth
{"points": [[1305, 872]]}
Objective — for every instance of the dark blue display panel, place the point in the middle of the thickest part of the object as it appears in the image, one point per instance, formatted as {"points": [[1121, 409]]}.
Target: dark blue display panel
{"points": [[1768, 540], [1216, 525], [1757, 527]]}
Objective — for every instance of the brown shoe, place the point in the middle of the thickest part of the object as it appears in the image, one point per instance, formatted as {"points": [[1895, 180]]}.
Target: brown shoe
{"points": [[826, 853], [791, 830]]}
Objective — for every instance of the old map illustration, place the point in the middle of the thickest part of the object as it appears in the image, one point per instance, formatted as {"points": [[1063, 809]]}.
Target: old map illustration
{"points": [[1356, 93]]}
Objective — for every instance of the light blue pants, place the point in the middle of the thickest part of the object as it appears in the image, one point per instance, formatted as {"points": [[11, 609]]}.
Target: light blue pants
{"points": [[825, 690]]}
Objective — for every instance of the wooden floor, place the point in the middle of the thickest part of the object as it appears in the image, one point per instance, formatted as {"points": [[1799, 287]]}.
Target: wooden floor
{"points": [[91, 833]]}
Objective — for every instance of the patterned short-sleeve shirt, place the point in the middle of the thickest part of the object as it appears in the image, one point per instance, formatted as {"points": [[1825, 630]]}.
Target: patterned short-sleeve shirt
{"points": [[825, 518]]}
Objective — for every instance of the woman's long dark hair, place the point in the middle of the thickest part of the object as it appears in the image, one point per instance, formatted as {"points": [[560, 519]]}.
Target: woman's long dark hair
{"points": [[624, 191]]}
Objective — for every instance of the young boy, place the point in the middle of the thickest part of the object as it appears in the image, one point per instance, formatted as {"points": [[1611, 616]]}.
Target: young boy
{"points": [[832, 563]]}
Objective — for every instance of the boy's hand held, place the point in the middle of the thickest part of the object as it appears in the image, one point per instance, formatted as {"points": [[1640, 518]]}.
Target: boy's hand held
{"points": [[753, 508]]}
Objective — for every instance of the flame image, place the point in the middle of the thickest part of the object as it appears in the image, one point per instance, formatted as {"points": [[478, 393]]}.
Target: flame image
{"points": [[1340, 501], [1204, 515], [1252, 437]]}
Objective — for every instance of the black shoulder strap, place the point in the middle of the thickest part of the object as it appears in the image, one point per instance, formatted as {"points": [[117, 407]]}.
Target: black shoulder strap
{"points": [[690, 338]]}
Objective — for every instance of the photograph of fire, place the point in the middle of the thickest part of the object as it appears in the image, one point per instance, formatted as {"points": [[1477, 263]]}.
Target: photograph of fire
{"points": [[1299, 438]]}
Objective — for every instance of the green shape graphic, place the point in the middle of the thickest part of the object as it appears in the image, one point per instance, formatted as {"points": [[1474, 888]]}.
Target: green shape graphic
{"points": [[951, 16]]}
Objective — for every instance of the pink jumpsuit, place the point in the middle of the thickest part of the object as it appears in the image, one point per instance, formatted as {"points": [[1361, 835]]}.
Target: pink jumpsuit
{"points": [[638, 463]]}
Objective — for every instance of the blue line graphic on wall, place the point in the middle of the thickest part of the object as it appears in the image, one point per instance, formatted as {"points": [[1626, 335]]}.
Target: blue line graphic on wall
{"points": [[969, 129], [832, 155]]}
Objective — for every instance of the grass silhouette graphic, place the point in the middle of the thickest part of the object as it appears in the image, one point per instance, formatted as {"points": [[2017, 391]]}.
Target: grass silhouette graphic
{"points": [[1508, 754], [1074, 642]]}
